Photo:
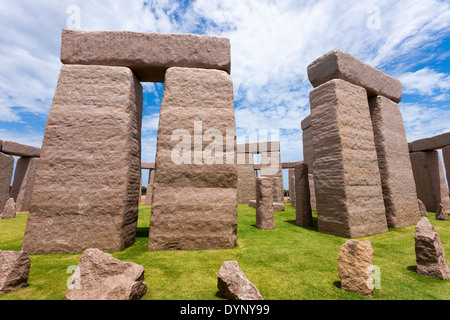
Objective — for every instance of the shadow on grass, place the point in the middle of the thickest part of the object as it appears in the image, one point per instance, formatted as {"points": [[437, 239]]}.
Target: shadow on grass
{"points": [[412, 268], [337, 284], [142, 232], [313, 228]]}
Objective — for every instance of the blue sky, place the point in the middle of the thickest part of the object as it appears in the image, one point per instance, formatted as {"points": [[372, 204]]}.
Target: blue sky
{"points": [[272, 44]]}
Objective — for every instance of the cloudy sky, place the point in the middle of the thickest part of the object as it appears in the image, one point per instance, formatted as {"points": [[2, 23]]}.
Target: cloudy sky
{"points": [[272, 44]]}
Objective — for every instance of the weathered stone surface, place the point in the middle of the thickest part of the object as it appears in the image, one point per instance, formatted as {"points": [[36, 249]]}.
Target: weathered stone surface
{"points": [[271, 167], [355, 260], [258, 147], [397, 179], [99, 276], [252, 203], [446, 155], [233, 284], [149, 55], [312, 191], [151, 181], [430, 255], [422, 209], [9, 211], [20, 150], [24, 178], [441, 214], [246, 178], [308, 148], [430, 180], [278, 206], [6, 171], [292, 187], [346, 174], [303, 208], [194, 205], [86, 192], [14, 270], [290, 165], [337, 64], [432, 143], [148, 165], [264, 204], [306, 123]]}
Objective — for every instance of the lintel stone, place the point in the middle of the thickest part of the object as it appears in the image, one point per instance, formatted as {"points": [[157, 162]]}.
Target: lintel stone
{"points": [[20, 150], [432, 143]]}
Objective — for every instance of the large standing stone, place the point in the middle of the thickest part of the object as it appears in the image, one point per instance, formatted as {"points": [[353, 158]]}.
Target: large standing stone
{"points": [[6, 171], [9, 211], [303, 207], [346, 174], [14, 270], [312, 191], [101, 277], [271, 166], [397, 179], [24, 178], [195, 203], [430, 255], [355, 260], [430, 180], [308, 148], [441, 214], [87, 187], [264, 204], [246, 178], [233, 284], [292, 192], [151, 181], [446, 155]]}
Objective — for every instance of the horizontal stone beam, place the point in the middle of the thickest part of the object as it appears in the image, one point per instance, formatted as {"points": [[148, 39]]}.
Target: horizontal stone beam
{"points": [[258, 147], [147, 166], [149, 55], [19, 150], [337, 64], [432, 143], [291, 165], [306, 123]]}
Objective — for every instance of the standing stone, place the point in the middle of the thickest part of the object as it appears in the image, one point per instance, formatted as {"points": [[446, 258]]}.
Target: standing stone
{"points": [[292, 192], [441, 214], [308, 148], [355, 260], [87, 187], [397, 179], [6, 171], [23, 190], [430, 255], [446, 155], [233, 284], [246, 178], [264, 204], [99, 276], [14, 270], [422, 208], [312, 191], [151, 181], [303, 208], [271, 166], [346, 174], [195, 203], [9, 211]]}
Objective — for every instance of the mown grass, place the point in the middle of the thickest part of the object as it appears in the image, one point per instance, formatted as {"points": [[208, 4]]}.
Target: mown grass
{"points": [[288, 263]]}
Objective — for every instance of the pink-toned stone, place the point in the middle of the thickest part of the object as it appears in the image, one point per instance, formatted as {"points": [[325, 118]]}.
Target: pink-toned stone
{"points": [[292, 187], [20, 150], [303, 206], [246, 178], [422, 208], [264, 204], [14, 270], [233, 284], [151, 181], [441, 213], [446, 155], [24, 179], [6, 171], [9, 211], [312, 191], [428, 144]]}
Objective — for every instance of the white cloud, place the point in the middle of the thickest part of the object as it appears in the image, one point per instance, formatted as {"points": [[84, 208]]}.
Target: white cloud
{"points": [[425, 82]]}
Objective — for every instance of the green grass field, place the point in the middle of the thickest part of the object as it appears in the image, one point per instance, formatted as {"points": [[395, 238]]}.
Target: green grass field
{"points": [[289, 263]]}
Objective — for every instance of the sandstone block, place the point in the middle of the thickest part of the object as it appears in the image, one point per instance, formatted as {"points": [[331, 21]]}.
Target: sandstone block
{"points": [[441, 214], [292, 187], [246, 179], [233, 284], [14, 270], [149, 55], [264, 204], [20, 150], [278, 206], [346, 174], [24, 178], [430, 255], [9, 211], [312, 191], [446, 155], [355, 260], [303, 210], [306, 123], [308, 148], [422, 208], [337, 64], [6, 171], [86, 191], [99, 276], [432, 143]]}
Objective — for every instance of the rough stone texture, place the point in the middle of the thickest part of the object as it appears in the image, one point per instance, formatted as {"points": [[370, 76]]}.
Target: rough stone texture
{"points": [[258, 147], [432, 143], [306, 123], [292, 187], [278, 206], [264, 204], [195, 205], [101, 277], [151, 181], [346, 174], [312, 191], [429, 179], [290, 165], [446, 155], [149, 55], [6, 171], [271, 167], [24, 179], [233, 284], [397, 179], [337, 64], [20, 150], [147, 165], [87, 187], [308, 148], [430, 255], [441, 214], [252, 203], [9, 211], [246, 178], [14, 270], [303, 210], [422, 208], [355, 259]]}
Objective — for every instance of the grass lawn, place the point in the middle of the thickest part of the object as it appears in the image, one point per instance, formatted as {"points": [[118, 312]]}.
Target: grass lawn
{"points": [[288, 263]]}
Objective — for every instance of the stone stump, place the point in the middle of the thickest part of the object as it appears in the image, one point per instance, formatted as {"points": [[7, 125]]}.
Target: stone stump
{"points": [[303, 208], [264, 204], [14, 270], [422, 208], [6, 171], [441, 213], [233, 284], [9, 211], [87, 186]]}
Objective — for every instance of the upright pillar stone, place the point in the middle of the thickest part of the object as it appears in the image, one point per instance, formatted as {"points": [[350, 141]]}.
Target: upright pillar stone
{"points": [[303, 206], [346, 174], [25, 187], [271, 167], [151, 181], [87, 186], [397, 179], [312, 191], [446, 155], [194, 202], [6, 171], [264, 204], [292, 193], [308, 149], [246, 177]]}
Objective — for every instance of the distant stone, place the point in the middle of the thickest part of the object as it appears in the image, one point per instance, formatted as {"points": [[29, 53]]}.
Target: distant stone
{"points": [[422, 208], [9, 211], [278, 206], [234, 285], [14, 270], [20, 150], [252, 203], [99, 276], [264, 204], [441, 214], [355, 260], [430, 256]]}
